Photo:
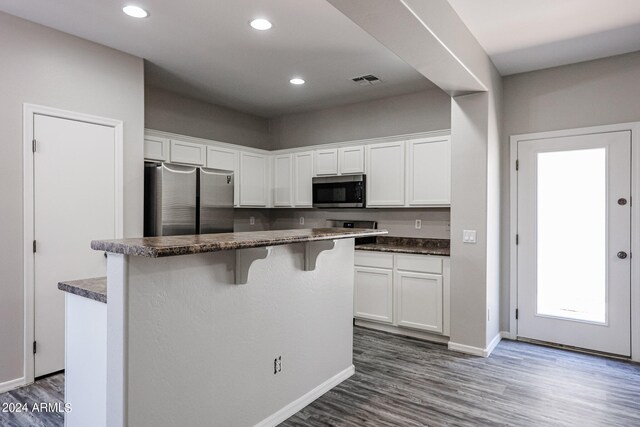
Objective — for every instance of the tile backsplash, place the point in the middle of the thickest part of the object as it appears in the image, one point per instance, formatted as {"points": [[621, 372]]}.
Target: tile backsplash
{"points": [[399, 222]]}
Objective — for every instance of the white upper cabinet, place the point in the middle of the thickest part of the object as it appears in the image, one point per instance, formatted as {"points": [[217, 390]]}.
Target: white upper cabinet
{"points": [[351, 160], [339, 161], [326, 162], [187, 153], [253, 179], [156, 148], [222, 158], [429, 172], [386, 174], [404, 174], [303, 174], [283, 180], [225, 159]]}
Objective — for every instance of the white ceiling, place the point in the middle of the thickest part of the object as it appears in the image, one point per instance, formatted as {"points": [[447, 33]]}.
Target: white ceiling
{"points": [[208, 51], [526, 35]]}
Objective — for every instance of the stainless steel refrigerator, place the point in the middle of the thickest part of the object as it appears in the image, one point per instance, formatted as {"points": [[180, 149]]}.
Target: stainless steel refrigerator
{"points": [[186, 200]]}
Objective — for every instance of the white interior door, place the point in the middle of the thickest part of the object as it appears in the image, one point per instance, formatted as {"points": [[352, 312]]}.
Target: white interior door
{"points": [[74, 203], [574, 227]]}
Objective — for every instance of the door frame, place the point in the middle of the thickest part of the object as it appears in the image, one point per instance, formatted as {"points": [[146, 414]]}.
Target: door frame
{"points": [[634, 128], [29, 111]]}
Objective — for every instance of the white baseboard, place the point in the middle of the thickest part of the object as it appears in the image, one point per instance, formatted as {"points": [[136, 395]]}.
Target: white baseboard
{"points": [[476, 351], [10, 385], [304, 400], [493, 344], [462, 348], [440, 339], [506, 335]]}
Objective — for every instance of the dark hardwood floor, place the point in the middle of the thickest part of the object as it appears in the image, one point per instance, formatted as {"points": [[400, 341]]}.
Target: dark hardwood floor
{"points": [[405, 382], [46, 390]]}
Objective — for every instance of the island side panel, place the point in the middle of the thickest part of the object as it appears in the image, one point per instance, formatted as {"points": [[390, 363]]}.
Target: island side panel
{"points": [[117, 318], [201, 349]]}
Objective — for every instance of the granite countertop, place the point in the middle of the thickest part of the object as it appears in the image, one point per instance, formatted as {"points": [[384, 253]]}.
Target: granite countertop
{"points": [[155, 247], [408, 245], [94, 288]]}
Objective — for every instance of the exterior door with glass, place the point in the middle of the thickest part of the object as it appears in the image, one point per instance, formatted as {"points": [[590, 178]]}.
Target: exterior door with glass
{"points": [[574, 240]]}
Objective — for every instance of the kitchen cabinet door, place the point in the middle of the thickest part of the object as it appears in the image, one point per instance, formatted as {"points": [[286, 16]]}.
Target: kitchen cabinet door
{"points": [[326, 162], [282, 180], [222, 158], [351, 160], [187, 153], [156, 148], [303, 174], [373, 294], [385, 174], [253, 179], [429, 172], [419, 301]]}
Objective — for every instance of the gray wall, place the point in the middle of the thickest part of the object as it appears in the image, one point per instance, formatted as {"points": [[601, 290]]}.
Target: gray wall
{"points": [[423, 111], [171, 112], [46, 67], [605, 91]]}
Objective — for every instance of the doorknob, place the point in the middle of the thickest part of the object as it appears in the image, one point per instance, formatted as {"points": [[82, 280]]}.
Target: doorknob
{"points": [[622, 254], [622, 201]]}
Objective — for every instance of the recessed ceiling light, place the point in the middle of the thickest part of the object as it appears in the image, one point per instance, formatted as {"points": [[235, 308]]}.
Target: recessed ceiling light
{"points": [[296, 81], [261, 24], [135, 11]]}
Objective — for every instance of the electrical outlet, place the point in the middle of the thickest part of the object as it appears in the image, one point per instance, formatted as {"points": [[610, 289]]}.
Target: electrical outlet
{"points": [[252, 220], [277, 365], [418, 224], [301, 220]]}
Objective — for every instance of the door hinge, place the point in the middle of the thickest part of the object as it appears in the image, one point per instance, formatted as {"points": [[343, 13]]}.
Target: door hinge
{"points": [[517, 239], [516, 314], [517, 164], [34, 347], [34, 246], [33, 145]]}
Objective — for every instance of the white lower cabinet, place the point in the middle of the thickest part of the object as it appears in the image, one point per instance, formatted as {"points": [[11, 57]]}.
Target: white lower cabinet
{"points": [[419, 301], [373, 294], [402, 290]]}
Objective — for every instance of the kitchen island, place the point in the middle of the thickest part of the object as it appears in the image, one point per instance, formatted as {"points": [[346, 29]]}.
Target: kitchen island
{"points": [[227, 329]]}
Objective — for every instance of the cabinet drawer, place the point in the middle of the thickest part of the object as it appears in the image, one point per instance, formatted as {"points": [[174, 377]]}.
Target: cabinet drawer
{"points": [[373, 259], [419, 263]]}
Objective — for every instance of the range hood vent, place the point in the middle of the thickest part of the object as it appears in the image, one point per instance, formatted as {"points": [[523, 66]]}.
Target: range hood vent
{"points": [[366, 80]]}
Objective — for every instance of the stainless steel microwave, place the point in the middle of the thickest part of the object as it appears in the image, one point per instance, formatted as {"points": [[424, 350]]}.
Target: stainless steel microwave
{"points": [[347, 191]]}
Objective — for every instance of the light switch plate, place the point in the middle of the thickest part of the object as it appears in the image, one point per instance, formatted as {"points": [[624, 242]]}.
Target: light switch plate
{"points": [[469, 236]]}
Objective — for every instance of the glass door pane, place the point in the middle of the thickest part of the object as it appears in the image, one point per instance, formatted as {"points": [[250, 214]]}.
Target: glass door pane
{"points": [[572, 235]]}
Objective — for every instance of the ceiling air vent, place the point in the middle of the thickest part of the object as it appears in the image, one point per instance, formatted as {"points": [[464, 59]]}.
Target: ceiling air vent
{"points": [[367, 80]]}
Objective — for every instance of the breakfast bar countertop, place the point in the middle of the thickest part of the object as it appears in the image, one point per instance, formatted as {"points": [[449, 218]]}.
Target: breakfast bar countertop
{"points": [[155, 247]]}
